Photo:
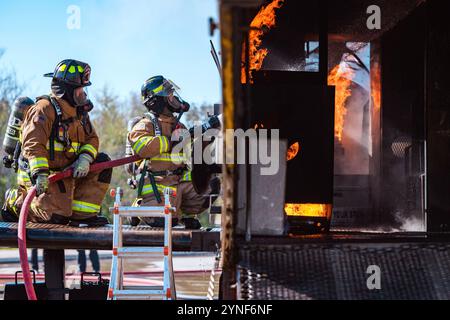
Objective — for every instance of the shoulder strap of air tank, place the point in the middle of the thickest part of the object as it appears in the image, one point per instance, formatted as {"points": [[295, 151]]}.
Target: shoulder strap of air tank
{"points": [[55, 105], [55, 125], [155, 123]]}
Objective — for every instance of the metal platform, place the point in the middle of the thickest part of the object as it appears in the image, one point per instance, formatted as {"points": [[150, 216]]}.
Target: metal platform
{"points": [[55, 238], [48, 236], [412, 266]]}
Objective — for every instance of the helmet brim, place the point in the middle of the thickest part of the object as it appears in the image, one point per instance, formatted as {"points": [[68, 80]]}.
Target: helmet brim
{"points": [[73, 84]]}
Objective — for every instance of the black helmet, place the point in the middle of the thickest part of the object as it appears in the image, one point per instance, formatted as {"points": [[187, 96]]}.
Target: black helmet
{"points": [[71, 72], [158, 92]]}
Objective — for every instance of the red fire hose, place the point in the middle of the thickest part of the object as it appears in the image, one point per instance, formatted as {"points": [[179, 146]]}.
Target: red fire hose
{"points": [[24, 215]]}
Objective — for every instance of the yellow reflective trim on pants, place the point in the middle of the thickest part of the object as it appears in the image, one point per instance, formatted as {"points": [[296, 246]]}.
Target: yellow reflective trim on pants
{"points": [[89, 148], [187, 176], [22, 177], [38, 163], [148, 189], [86, 207], [142, 142], [12, 197]]}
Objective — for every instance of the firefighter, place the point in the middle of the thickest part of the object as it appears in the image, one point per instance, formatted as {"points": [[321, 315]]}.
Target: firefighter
{"points": [[150, 138], [58, 134]]}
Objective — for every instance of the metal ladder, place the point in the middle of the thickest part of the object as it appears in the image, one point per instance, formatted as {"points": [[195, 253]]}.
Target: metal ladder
{"points": [[117, 290]]}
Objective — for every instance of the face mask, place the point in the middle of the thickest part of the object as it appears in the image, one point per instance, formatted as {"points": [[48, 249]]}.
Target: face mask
{"points": [[176, 104], [80, 96]]}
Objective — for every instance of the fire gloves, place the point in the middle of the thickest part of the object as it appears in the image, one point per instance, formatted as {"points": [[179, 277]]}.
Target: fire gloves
{"points": [[82, 165], [41, 184], [80, 170]]}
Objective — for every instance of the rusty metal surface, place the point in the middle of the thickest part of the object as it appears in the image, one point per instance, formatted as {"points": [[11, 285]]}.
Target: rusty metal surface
{"points": [[327, 270], [49, 236]]}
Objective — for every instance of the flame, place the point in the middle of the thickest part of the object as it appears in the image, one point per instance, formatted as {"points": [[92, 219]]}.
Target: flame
{"points": [[340, 78], [261, 24], [376, 86], [293, 151], [308, 210]]}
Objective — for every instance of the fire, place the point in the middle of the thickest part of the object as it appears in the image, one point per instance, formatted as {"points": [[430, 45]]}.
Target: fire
{"points": [[308, 210], [340, 78], [261, 24], [376, 86], [293, 151]]}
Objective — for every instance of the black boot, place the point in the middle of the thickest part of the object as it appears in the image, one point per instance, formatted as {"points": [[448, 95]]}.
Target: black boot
{"points": [[159, 222], [8, 216], [134, 221], [58, 219], [97, 221], [191, 223]]}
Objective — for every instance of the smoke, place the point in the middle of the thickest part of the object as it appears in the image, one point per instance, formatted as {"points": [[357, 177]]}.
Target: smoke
{"points": [[410, 223]]}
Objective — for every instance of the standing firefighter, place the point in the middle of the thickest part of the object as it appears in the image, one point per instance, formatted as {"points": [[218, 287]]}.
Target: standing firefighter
{"points": [[150, 138], [56, 134]]}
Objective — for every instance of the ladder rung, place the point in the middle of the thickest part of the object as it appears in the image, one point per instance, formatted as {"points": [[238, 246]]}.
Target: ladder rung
{"points": [[145, 212], [141, 288], [116, 290], [139, 298], [138, 293], [139, 252]]}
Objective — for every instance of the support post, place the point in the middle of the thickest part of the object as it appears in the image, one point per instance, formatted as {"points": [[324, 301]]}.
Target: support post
{"points": [[54, 266]]}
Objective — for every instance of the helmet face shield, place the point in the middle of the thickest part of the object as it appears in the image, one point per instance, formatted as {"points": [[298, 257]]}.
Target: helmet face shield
{"points": [[159, 87], [158, 91]]}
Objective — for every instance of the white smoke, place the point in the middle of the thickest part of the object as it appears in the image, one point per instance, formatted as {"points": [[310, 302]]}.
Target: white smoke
{"points": [[410, 224]]}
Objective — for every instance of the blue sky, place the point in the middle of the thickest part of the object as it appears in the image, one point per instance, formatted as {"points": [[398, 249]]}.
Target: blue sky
{"points": [[124, 41]]}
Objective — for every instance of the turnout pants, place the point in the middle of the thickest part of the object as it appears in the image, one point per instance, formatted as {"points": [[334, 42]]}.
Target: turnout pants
{"points": [[187, 202], [77, 199]]}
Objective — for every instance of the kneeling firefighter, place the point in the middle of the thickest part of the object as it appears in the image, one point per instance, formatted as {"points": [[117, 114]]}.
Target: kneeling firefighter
{"points": [[150, 138], [57, 134]]}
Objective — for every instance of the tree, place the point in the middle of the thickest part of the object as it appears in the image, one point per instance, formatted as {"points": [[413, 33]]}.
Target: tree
{"points": [[10, 89], [110, 122], [197, 114]]}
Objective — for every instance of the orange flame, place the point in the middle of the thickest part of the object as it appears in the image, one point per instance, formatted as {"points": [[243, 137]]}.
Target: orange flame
{"points": [[308, 210], [293, 151], [261, 24], [376, 86], [340, 78]]}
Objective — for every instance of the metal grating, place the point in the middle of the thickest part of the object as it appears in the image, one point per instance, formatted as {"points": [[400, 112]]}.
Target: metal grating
{"points": [[338, 271]]}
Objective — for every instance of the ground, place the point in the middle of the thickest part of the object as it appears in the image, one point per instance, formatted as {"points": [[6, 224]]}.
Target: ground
{"points": [[192, 271]]}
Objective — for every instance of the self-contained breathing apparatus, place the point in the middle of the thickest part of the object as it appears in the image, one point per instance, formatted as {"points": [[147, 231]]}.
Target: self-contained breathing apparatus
{"points": [[11, 143]]}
